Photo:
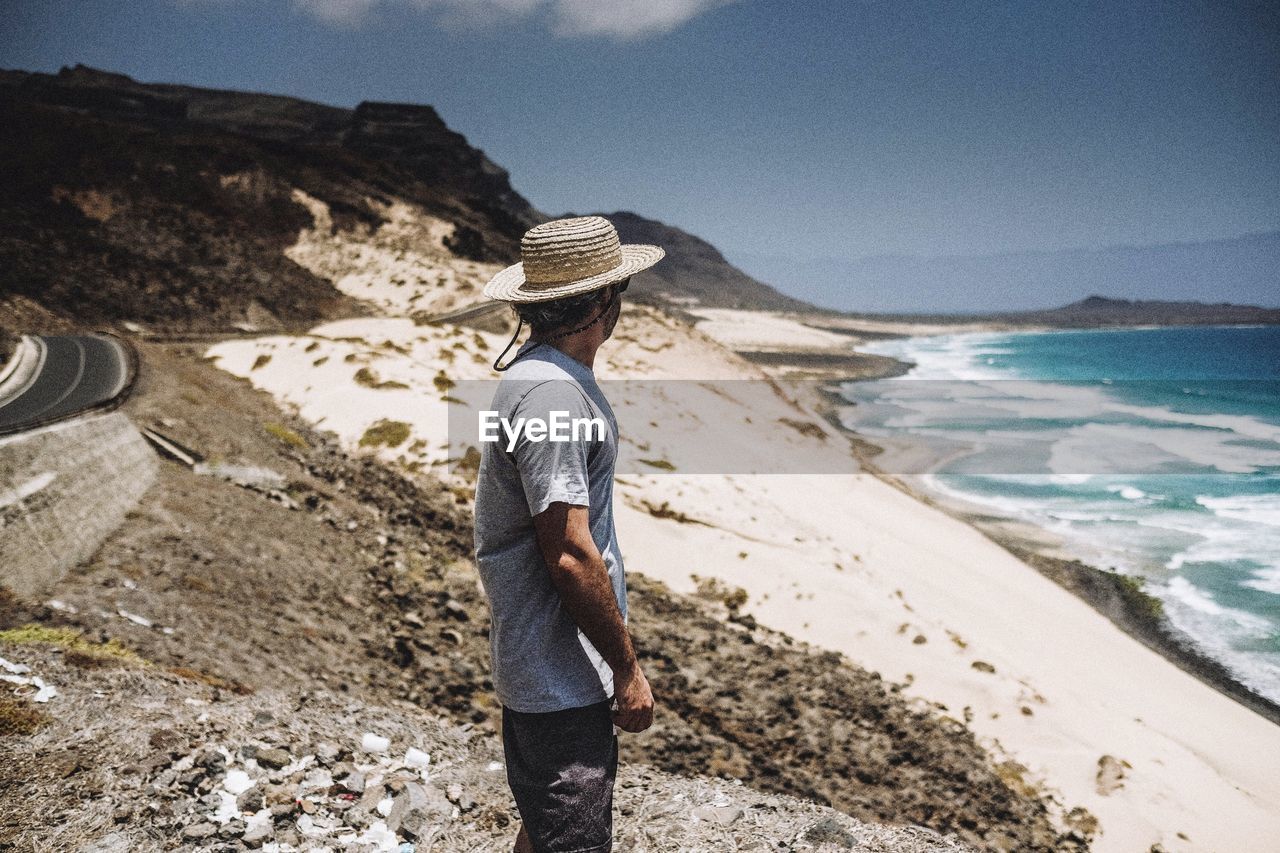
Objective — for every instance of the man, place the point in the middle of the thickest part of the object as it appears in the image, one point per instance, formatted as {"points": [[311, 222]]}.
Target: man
{"points": [[563, 663]]}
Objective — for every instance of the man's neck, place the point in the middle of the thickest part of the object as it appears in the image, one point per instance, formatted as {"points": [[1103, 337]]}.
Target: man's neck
{"points": [[581, 347]]}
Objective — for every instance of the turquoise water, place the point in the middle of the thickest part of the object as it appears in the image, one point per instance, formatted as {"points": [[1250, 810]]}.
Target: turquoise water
{"points": [[1152, 451]]}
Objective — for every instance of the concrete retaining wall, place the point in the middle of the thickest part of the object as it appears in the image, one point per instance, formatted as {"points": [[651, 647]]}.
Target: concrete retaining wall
{"points": [[63, 490]]}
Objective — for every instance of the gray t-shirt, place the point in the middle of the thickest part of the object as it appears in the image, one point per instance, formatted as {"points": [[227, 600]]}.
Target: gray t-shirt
{"points": [[541, 661]]}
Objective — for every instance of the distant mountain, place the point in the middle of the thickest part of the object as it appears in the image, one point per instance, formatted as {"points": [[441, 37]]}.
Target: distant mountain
{"points": [[1241, 270], [1090, 312], [173, 204], [1101, 311], [694, 271]]}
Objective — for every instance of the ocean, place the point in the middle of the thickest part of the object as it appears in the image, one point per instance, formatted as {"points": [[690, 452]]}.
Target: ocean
{"points": [[1155, 452]]}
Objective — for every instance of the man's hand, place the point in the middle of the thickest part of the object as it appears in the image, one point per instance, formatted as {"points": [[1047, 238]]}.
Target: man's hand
{"points": [[634, 711]]}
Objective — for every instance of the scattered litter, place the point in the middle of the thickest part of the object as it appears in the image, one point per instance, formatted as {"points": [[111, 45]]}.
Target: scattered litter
{"points": [[381, 838], [384, 806], [294, 766], [237, 781], [264, 481], [258, 823], [44, 692], [374, 743], [227, 809], [415, 757], [313, 828], [243, 475], [317, 780], [129, 584], [172, 449], [136, 619], [15, 668], [62, 606]]}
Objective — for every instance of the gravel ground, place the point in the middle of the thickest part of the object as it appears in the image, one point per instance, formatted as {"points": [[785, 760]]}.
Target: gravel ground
{"points": [[161, 763]]}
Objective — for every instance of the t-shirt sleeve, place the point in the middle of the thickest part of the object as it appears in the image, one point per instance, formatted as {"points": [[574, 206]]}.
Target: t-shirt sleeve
{"points": [[552, 471]]}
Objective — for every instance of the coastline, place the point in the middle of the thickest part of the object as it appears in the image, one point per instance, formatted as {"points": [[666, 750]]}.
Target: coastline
{"points": [[1193, 751], [1116, 596]]}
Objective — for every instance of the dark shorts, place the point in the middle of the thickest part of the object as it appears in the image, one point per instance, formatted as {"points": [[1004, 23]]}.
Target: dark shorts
{"points": [[561, 767]]}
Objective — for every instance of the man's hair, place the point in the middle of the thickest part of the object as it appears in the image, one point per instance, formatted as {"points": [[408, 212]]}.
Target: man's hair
{"points": [[566, 311]]}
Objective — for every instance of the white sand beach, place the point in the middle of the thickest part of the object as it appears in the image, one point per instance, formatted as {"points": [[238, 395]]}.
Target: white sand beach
{"points": [[844, 561]]}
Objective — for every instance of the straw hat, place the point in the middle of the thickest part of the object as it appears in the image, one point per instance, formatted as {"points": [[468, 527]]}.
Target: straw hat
{"points": [[566, 257]]}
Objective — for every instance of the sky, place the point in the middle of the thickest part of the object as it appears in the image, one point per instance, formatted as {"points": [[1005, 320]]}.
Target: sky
{"points": [[840, 129]]}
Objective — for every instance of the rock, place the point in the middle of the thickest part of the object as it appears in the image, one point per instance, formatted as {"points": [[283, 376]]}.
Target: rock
{"points": [[288, 837], [318, 779], [327, 753], [233, 828], [983, 666], [417, 808], [258, 833], [283, 811], [248, 751], [723, 815], [274, 758], [459, 798], [373, 794], [353, 782], [454, 609], [251, 800], [829, 831], [275, 794], [189, 779], [116, 842], [199, 831], [167, 741], [212, 759]]}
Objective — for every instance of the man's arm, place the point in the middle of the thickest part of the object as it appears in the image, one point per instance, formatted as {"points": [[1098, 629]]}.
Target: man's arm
{"points": [[579, 574]]}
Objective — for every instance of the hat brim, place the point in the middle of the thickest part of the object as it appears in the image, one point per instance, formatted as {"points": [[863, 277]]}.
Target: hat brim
{"points": [[510, 285]]}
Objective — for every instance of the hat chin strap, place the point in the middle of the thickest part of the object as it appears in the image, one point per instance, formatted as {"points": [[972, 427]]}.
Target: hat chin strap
{"points": [[557, 336]]}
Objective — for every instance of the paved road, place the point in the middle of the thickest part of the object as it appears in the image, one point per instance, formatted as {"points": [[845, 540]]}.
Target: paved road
{"points": [[78, 372]]}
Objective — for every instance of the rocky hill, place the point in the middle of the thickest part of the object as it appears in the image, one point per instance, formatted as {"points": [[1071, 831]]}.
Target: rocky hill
{"points": [[172, 205]]}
